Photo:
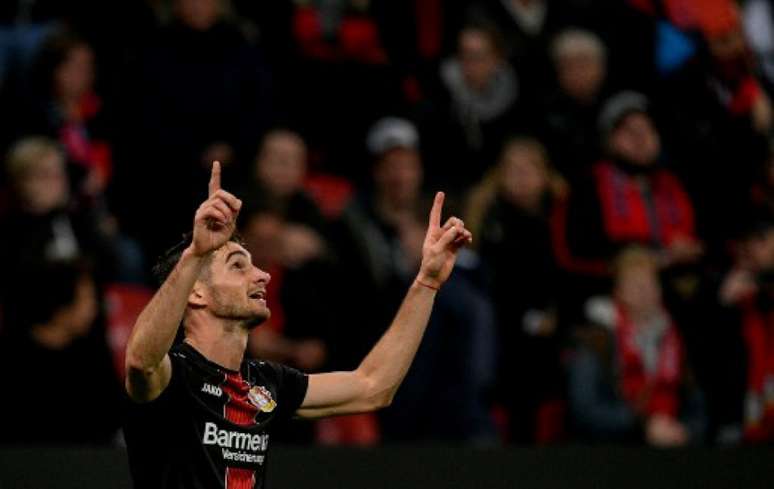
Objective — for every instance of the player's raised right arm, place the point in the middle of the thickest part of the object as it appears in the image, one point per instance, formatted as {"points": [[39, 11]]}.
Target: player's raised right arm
{"points": [[147, 361]]}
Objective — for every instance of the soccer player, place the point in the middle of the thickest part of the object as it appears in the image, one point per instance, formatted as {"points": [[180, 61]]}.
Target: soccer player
{"points": [[201, 413]]}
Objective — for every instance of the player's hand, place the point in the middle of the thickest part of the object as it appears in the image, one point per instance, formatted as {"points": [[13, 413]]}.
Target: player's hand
{"points": [[215, 219], [439, 251]]}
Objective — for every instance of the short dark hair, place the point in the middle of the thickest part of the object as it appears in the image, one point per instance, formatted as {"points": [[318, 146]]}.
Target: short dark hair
{"points": [[168, 260]]}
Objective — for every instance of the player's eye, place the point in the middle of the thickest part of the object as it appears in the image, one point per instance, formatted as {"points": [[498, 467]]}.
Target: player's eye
{"points": [[238, 265]]}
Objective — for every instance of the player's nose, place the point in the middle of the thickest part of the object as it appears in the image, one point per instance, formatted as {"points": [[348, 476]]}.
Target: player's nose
{"points": [[261, 276]]}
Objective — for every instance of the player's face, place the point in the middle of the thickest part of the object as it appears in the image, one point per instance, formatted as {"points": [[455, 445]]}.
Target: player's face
{"points": [[237, 288]]}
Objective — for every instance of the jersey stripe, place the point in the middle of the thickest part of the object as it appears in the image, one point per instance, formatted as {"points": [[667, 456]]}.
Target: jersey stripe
{"points": [[237, 478], [239, 410]]}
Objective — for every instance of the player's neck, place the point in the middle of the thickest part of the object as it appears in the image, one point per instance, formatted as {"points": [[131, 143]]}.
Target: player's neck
{"points": [[221, 344]]}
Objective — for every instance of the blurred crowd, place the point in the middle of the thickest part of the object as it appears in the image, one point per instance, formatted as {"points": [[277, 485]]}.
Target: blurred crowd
{"points": [[613, 158]]}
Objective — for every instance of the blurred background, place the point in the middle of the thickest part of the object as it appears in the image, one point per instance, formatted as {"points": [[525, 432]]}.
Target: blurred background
{"points": [[613, 158]]}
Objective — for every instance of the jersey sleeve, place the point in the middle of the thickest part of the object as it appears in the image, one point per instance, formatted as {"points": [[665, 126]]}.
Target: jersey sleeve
{"points": [[164, 401], [291, 388]]}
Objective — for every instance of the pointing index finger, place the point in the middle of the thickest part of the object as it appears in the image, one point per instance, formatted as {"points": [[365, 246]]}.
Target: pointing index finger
{"points": [[214, 178], [435, 213]]}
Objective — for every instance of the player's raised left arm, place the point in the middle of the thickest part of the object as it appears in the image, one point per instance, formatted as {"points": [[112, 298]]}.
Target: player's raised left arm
{"points": [[374, 383]]}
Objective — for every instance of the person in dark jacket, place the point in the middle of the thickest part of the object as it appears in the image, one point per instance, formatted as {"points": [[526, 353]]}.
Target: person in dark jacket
{"points": [[569, 116], [477, 107], [515, 246]]}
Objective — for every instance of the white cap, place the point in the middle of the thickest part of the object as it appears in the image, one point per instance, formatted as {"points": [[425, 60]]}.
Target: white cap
{"points": [[391, 132]]}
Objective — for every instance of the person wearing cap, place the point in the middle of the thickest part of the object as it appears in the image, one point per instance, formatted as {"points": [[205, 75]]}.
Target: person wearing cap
{"points": [[366, 236], [630, 198], [375, 240]]}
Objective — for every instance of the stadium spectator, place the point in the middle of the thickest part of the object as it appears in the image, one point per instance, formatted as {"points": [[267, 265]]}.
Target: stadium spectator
{"points": [[377, 233], [478, 108], [369, 231], [510, 212], [569, 116], [629, 379], [278, 174], [632, 198], [49, 225], [56, 336], [746, 297], [61, 103], [527, 27]]}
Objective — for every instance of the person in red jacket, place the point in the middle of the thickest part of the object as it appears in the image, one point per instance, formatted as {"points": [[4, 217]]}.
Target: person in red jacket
{"points": [[630, 198]]}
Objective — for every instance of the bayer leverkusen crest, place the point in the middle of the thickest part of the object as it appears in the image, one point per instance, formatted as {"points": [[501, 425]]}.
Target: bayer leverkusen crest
{"points": [[261, 398]]}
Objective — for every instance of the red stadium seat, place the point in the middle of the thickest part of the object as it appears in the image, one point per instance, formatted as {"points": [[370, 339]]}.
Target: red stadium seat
{"points": [[124, 303]]}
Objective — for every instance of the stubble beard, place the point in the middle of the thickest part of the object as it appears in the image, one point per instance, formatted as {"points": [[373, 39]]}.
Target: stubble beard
{"points": [[243, 315]]}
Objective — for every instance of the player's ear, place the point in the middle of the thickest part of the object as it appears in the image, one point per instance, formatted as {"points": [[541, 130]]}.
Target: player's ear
{"points": [[198, 295]]}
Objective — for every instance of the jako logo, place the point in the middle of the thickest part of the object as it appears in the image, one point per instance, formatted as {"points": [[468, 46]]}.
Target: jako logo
{"points": [[212, 389]]}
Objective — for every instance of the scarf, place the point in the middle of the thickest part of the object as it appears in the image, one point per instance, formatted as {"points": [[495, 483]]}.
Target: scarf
{"points": [[656, 213], [473, 108], [649, 385]]}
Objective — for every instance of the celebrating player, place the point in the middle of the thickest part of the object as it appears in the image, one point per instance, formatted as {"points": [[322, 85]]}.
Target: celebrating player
{"points": [[201, 412]]}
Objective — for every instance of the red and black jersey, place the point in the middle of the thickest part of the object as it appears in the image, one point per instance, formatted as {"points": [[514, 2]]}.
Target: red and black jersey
{"points": [[210, 428]]}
